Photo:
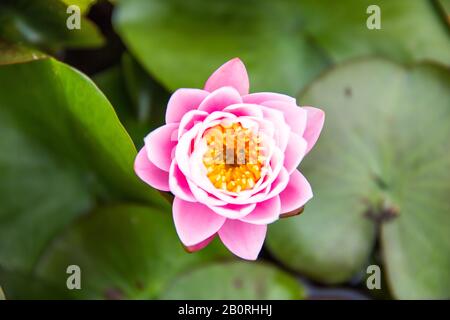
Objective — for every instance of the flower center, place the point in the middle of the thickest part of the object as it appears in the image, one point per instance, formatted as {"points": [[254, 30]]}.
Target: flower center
{"points": [[233, 160]]}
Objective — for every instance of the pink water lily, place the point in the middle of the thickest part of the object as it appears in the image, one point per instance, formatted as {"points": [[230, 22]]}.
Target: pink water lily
{"points": [[230, 159]]}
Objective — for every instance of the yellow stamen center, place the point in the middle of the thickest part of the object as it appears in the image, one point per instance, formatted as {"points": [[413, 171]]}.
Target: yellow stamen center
{"points": [[233, 159]]}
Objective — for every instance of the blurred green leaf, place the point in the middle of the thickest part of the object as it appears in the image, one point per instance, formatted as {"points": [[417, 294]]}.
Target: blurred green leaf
{"points": [[139, 102], [84, 5], [284, 44], [235, 281], [445, 5], [2, 295], [20, 285], [384, 156], [63, 150], [14, 53], [112, 84], [42, 24], [124, 252], [148, 98]]}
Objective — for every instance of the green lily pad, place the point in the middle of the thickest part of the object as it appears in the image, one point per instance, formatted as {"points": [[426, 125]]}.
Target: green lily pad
{"points": [[112, 83], [383, 160], [149, 98], [14, 53], [42, 24], [124, 252], [139, 102], [284, 44], [235, 281], [63, 151], [25, 286]]}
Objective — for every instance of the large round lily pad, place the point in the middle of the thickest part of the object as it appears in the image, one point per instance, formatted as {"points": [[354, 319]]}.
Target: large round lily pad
{"points": [[63, 151], [383, 159], [284, 43], [235, 280], [124, 252]]}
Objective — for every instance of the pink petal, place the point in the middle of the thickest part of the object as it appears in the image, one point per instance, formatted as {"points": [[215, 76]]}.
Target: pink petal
{"points": [[279, 184], [217, 115], [296, 194], [150, 173], [245, 109], [200, 245], [278, 176], [219, 99], [314, 125], [265, 212], [294, 116], [182, 101], [234, 211], [213, 119], [260, 97], [183, 149], [160, 143], [231, 74], [205, 197], [264, 127], [195, 222], [243, 239], [294, 153], [179, 185], [283, 131], [189, 120]]}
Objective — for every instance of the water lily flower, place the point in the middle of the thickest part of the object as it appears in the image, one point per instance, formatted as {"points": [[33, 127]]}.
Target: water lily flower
{"points": [[230, 159]]}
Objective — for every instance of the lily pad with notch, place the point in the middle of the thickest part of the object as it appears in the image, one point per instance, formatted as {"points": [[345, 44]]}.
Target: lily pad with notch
{"points": [[381, 168]]}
